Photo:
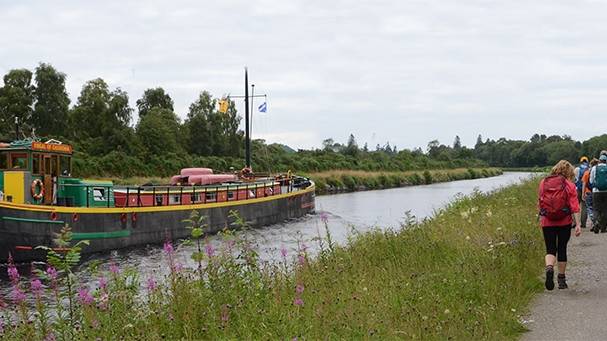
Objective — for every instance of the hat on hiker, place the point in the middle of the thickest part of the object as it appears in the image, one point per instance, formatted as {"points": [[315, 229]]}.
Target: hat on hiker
{"points": [[603, 158], [584, 159]]}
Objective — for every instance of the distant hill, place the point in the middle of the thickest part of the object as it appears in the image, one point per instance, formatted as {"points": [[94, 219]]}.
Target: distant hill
{"points": [[284, 147]]}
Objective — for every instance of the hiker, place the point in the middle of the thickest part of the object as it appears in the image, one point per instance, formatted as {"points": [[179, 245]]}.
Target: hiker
{"points": [[598, 179], [579, 173], [557, 204], [587, 197]]}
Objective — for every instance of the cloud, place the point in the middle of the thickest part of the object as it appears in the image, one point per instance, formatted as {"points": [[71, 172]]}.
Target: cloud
{"points": [[401, 71]]}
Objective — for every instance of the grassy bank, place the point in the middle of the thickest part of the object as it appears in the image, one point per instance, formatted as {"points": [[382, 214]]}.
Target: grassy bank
{"points": [[348, 180], [353, 180], [468, 273]]}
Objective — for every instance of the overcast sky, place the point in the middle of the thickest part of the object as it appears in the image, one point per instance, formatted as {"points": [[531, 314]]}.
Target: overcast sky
{"points": [[401, 71]]}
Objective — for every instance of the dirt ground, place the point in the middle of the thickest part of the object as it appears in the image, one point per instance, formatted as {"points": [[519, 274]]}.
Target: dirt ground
{"points": [[580, 312]]}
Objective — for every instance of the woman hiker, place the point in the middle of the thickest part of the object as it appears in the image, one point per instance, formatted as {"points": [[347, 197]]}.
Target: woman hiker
{"points": [[559, 207], [587, 196]]}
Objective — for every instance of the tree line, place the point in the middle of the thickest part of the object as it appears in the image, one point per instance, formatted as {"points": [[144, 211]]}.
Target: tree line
{"points": [[107, 141]]}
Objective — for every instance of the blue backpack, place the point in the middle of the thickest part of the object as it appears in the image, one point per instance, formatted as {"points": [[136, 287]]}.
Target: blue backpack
{"points": [[600, 178], [583, 169]]}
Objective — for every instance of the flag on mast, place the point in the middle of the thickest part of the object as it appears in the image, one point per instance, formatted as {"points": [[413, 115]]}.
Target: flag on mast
{"points": [[223, 106], [263, 107]]}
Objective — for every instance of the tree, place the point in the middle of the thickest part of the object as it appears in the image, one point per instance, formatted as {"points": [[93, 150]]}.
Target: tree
{"points": [[156, 131], [16, 99], [479, 141], [457, 143], [101, 118], [352, 147], [50, 115], [154, 98], [197, 125]]}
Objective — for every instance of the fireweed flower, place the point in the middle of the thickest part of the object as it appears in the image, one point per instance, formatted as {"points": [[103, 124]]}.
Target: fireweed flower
{"points": [[18, 295], [298, 302], [301, 259], [299, 288], [209, 250], [84, 296], [36, 286], [51, 273], [114, 268], [151, 284], [168, 248], [50, 337], [104, 301], [324, 217], [13, 273], [102, 283], [225, 313], [283, 252]]}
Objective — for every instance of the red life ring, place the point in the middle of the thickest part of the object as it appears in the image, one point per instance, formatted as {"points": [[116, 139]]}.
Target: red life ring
{"points": [[75, 217], [53, 216], [123, 218], [37, 189]]}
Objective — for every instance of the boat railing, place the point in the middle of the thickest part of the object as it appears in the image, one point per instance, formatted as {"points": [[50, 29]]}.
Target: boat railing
{"points": [[131, 196]]}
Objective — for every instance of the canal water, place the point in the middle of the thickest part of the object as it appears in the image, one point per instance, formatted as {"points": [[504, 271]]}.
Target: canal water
{"points": [[342, 212]]}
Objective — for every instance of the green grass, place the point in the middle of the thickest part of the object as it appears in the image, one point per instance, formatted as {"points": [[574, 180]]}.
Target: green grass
{"points": [[468, 273], [350, 180]]}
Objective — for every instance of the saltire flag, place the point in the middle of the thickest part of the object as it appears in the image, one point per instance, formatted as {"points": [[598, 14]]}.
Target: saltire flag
{"points": [[263, 107], [223, 106]]}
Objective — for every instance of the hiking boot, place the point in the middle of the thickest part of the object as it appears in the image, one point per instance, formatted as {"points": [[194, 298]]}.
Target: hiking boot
{"points": [[603, 229], [549, 277], [562, 281]]}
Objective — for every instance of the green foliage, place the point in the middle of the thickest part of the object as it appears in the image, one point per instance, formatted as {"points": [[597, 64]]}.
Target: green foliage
{"points": [[16, 99], [154, 99], [50, 115]]}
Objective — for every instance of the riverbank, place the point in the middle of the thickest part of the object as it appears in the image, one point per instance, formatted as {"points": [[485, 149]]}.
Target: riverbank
{"points": [[445, 277], [349, 181], [338, 181]]}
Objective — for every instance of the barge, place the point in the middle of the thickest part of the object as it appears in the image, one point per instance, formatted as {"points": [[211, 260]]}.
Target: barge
{"points": [[38, 196]]}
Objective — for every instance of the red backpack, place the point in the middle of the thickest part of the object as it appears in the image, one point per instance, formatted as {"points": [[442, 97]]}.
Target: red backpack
{"points": [[554, 199]]}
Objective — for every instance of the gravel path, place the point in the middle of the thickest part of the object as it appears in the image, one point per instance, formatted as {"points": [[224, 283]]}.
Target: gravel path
{"points": [[580, 312]]}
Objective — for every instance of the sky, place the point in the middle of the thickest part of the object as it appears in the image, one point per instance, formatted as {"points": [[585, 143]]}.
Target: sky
{"points": [[404, 72]]}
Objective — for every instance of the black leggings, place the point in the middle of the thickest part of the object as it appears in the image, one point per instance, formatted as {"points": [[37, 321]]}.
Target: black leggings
{"points": [[556, 239]]}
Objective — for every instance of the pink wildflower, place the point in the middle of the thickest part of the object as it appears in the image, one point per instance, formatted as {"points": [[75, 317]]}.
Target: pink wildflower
{"points": [[18, 295], [324, 217], [301, 259], [102, 283], [84, 296], [298, 302], [51, 273], [104, 301], [50, 337], [36, 286], [168, 248], [283, 251], [114, 268], [209, 249], [177, 267], [151, 284], [299, 288], [13, 273]]}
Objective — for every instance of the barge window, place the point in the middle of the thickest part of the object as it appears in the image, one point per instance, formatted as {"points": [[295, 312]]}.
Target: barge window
{"points": [[211, 196], [230, 195], [195, 197], [175, 199], [65, 165], [99, 194], [19, 161], [3, 160], [159, 200], [36, 166]]}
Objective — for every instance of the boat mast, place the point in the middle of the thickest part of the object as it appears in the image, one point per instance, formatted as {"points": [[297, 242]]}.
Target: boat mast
{"points": [[246, 120]]}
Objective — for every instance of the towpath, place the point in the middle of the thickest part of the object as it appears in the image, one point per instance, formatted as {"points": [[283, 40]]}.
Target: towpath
{"points": [[580, 312]]}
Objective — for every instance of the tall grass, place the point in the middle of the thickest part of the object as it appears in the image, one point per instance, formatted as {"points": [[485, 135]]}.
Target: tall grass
{"points": [[467, 273]]}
